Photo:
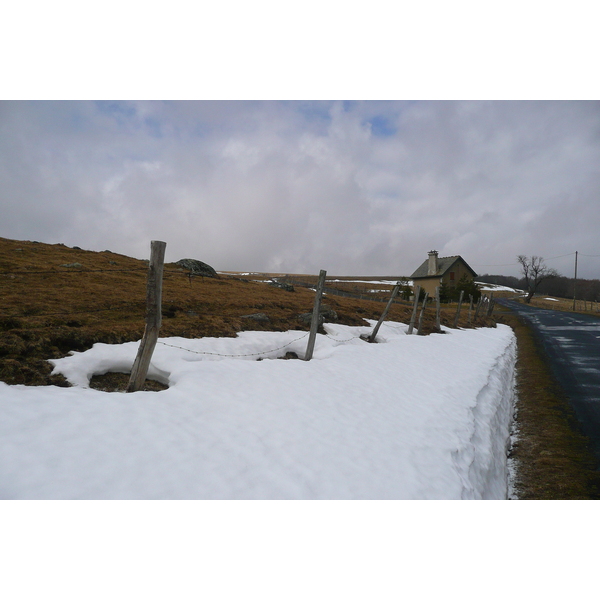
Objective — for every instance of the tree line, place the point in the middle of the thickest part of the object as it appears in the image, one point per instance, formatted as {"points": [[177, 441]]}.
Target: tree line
{"points": [[557, 285]]}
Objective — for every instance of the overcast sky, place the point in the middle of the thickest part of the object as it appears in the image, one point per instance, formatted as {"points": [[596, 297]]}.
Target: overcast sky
{"points": [[356, 188]]}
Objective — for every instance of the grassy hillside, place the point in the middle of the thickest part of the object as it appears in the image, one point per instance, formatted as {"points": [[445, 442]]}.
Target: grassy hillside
{"points": [[54, 299]]}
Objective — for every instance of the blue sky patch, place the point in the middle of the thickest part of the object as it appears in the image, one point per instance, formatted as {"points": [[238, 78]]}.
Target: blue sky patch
{"points": [[382, 126]]}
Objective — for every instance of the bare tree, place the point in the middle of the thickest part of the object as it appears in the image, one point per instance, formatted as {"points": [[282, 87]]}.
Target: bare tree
{"points": [[534, 272]]}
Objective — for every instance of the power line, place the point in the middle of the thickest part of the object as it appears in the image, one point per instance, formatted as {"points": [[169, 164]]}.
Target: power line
{"points": [[561, 256], [516, 263]]}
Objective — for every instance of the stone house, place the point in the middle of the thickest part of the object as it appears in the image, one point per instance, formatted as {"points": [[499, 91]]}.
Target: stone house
{"points": [[437, 270]]}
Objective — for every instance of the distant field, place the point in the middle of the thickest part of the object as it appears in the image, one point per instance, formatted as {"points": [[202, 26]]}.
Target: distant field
{"points": [[565, 304], [376, 287]]}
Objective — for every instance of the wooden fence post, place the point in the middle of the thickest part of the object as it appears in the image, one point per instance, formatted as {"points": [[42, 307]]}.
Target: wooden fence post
{"points": [[479, 304], [470, 307], [438, 323], [314, 324], [414, 312], [385, 312], [458, 308], [422, 311], [491, 306], [153, 317]]}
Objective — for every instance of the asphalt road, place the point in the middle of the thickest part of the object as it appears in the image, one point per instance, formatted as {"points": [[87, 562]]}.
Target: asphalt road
{"points": [[572, 343]]}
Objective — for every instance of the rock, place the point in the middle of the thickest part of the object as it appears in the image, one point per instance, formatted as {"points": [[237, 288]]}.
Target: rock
{"points": [[326, 313], [260, 317], [197, 267], [288, 287], [73, 265]]}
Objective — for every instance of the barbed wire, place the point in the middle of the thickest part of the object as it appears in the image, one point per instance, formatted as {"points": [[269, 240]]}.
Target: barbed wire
{"points": [[235, 355], [329, 335], [393, 326], [516, 263]]}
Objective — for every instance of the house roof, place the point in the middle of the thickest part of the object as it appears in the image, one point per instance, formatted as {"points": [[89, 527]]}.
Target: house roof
{"points": [[445, 263]]}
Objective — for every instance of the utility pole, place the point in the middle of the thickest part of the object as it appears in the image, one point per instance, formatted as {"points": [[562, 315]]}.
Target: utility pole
{"points": [[575, 280]]}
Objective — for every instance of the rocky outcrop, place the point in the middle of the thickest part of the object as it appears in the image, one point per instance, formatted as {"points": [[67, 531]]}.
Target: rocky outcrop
{"points": [[197, 267], [326, 313], [282, 285], [260, 317]]}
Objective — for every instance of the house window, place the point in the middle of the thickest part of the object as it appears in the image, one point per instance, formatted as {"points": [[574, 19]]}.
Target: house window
{"points": [[451, 275]]}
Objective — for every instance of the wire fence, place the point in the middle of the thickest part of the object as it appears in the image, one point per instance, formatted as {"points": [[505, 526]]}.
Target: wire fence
{"points": [[140, 306], [262, 352], [332, 291], [32, 313]]}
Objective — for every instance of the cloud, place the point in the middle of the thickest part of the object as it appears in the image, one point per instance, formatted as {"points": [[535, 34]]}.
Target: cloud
{"points": [[351, 187]]}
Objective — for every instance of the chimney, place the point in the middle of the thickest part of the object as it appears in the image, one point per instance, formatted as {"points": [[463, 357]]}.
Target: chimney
{"points": [[432, 265]]}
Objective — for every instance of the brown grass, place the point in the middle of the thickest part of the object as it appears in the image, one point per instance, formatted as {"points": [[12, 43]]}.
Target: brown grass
{"points": [[48, 310], [564, 304]]}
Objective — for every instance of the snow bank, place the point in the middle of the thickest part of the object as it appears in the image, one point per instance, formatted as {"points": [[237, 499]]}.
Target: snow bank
{"points": [[409, 417], [494, 287]]}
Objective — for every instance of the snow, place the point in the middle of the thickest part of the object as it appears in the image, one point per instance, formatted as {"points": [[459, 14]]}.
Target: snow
{"points": [[493, 287], [391, 282], [553, 299], [410, 417]]}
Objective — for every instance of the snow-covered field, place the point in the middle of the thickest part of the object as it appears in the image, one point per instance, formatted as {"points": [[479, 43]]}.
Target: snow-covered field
{"points": [[411, 417], [372, 281], [494, 287]]}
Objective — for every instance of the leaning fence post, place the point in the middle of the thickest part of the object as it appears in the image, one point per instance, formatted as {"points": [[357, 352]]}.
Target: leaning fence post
{"points": [[479, 304], [491, 306], [153, 317], [437, 308], [458, 308], [314, 324], [385, 312], [414, 312], [422, 311]]}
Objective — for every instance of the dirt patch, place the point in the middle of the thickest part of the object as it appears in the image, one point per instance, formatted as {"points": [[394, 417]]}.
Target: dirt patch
{"points": [[117, 382]]}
